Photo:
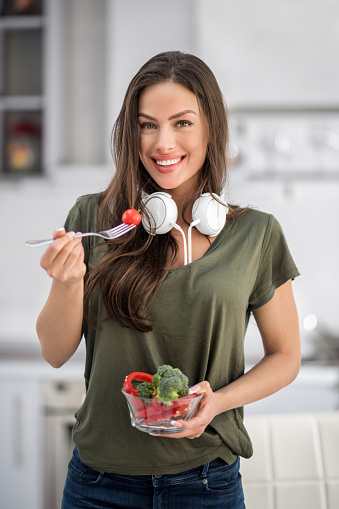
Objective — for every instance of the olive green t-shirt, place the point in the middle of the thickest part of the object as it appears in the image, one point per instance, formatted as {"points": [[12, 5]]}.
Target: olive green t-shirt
{"points": [[199, 317]]}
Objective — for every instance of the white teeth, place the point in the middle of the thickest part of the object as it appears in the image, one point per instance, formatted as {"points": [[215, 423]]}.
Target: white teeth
{"points": [[168, 162]]}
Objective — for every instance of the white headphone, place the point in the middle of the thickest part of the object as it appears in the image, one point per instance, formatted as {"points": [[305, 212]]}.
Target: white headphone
{"points": [[208, 213]]}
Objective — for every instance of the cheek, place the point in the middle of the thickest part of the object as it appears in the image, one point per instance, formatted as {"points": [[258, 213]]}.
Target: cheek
{"points": [[198, 150], [145, 143]]}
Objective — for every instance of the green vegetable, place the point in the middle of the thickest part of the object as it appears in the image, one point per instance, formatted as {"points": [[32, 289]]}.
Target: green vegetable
{"points": [[170, 383], [146, 390]]}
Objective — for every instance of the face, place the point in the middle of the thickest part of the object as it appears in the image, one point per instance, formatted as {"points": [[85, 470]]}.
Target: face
{"points": [[173, 136]]}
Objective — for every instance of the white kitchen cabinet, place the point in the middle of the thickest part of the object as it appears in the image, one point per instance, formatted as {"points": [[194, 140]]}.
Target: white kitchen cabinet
{"points": [[21, 445]]}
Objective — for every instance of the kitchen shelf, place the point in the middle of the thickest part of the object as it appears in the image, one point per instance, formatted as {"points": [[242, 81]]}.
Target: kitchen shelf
{"points": [[22, 23], [308, 176], [22, 103], [22, 90]]}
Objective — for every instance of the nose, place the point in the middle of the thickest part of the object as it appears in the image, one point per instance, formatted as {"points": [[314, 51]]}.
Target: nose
{"points": [[165, 141]]}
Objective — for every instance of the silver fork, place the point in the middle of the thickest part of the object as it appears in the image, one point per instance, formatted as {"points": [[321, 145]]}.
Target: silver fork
{"points": [[113, 233]]}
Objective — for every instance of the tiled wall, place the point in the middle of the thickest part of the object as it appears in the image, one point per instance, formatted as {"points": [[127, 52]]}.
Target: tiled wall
{"points": [[295, 464]]}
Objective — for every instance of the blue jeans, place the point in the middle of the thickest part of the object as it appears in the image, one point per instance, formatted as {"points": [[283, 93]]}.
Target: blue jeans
{"points": [[213, 485]]}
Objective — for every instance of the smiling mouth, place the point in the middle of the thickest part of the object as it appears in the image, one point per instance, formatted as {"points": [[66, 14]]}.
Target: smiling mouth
{"points": [[168, 162]]}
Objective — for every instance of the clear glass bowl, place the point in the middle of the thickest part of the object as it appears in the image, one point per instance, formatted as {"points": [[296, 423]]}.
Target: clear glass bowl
{"points": [[156, 415]]}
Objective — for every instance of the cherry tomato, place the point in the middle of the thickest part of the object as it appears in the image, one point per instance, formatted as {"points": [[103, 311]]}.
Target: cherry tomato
{"points": [[131, 216]]}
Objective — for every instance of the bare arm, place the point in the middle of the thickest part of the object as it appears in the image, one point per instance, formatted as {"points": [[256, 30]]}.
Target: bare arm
{"points": [[279, 328], [60, 321], [278, 324]]}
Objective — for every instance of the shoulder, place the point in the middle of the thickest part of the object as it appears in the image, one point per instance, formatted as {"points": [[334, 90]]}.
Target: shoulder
{"points": [[89, 201], [256, 226], [253, 218], [83, 216]]}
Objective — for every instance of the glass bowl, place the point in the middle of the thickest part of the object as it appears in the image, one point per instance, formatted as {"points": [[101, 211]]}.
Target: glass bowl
{"points": [[157, 416]]}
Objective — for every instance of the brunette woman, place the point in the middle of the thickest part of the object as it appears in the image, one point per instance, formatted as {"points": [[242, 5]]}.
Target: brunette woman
{"points": [[140, 302]]}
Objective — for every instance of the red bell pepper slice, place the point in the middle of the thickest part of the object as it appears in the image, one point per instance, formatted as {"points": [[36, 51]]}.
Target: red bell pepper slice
{"points": [[140, 377]]}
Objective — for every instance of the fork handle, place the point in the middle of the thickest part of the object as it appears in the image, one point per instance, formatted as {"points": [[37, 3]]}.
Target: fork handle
{"points": [[38, 243], [46, 242]]}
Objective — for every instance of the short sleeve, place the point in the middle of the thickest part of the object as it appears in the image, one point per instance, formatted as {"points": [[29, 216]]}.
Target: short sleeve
{"points": [[83, 218], [276, 265]]}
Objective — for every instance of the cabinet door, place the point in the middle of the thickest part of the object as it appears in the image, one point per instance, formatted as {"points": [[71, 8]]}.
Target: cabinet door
{"points": [[20, 445]]}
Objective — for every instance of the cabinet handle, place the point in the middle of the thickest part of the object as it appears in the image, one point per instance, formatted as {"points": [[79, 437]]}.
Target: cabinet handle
{"points": [[22, 429]]}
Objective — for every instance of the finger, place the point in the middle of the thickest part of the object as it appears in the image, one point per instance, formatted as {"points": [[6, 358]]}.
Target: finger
{"points": [[59, 233], [53, 250], [56, 256], [201, 388], [185, 434], [67, 260], [74, 265]]}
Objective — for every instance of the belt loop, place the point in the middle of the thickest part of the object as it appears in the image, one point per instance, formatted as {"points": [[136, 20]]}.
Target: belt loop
{"points": [[204, 470]]}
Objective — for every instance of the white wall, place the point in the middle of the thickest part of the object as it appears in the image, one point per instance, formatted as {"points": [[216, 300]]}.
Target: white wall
{"points": [[138, 30], [33, 209], [308, 212], [282, 52]]}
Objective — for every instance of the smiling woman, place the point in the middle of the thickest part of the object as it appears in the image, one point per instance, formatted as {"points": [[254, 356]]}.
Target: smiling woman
{"points": [[140, 306]]}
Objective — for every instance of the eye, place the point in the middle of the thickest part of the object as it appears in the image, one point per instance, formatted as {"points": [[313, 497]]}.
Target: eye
{"points": [[184, 123], [147, 125]]}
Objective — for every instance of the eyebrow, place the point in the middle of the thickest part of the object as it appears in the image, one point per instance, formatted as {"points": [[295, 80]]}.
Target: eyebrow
{"points": [[176, 115]]}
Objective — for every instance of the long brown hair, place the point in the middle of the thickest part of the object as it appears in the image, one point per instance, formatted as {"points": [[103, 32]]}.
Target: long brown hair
{"points": [[134, 266]]}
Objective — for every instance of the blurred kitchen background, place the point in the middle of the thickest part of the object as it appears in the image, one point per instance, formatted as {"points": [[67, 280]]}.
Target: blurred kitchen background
{"points": [[64, 68]]}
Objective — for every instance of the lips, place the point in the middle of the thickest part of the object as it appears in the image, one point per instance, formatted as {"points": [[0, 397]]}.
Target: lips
{"points": [[167, 164]]}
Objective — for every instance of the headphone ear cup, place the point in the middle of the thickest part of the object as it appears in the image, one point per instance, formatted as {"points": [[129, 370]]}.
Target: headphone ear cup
{"points": [[162, 213], [211, 212]]}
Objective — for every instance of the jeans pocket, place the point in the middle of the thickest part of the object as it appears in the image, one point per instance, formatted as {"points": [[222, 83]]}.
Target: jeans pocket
{"points": [[224, 479], [81, 473]]}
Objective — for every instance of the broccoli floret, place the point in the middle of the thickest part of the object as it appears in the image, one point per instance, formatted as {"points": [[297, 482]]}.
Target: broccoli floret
{"points": [[170, 383], [146, 390], [164, 370]]}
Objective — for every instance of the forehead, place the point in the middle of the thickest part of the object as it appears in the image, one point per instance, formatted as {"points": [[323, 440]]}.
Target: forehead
{"points": [[170, 97]]}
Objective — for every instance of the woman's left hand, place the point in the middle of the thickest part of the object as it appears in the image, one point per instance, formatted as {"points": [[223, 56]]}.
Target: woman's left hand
{"points": [[195, 427]]}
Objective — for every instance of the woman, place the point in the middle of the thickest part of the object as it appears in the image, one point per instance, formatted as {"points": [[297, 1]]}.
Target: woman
{"points": [[140, 306]]}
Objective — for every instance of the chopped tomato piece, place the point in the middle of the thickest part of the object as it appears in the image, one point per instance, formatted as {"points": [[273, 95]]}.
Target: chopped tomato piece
{"points": [[157, 411]]}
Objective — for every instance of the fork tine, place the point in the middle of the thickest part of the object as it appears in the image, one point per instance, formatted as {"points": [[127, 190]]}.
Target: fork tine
{"points": [[121, 230], [121, 226]]}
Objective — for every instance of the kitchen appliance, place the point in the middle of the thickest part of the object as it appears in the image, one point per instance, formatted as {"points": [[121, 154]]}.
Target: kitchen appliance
{"points": [[62, 399]]}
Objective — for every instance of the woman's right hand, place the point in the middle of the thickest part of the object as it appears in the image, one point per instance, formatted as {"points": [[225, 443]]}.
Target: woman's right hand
{"points": [[63, 260]]}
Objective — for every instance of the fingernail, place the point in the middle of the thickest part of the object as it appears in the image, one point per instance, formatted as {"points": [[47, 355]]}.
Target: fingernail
{"points": [[177, 424], [60, 229], [195, 388], [70, 234]]}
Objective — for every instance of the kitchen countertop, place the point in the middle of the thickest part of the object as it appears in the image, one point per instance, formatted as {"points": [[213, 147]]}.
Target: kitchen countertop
{"points": [[22, 361], [35, 370]]}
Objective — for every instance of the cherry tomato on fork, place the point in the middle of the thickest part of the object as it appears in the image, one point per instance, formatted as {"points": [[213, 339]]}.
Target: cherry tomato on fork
{"points": [[131, 216]]}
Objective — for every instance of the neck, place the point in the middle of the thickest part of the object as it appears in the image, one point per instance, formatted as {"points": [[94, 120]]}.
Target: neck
{"points": [[181, 195]]}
